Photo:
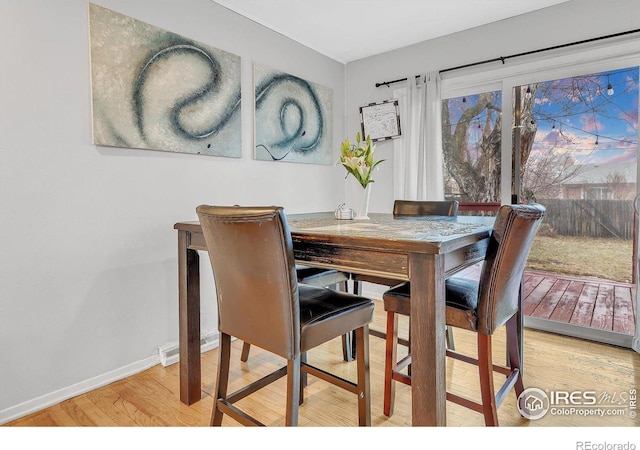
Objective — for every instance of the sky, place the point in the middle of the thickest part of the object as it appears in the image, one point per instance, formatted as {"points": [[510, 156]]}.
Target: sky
{"points": [[575, 113]]}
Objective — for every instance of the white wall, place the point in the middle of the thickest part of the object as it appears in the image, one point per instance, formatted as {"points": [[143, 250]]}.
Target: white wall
{"points": [[572, 21], [88, 266]]}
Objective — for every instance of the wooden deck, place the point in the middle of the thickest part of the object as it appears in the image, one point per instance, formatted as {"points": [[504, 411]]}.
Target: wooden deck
{"points": [[584, 307]]}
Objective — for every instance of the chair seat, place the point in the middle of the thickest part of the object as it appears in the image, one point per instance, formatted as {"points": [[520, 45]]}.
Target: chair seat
{"points": [[461, 295], [318, 305]]}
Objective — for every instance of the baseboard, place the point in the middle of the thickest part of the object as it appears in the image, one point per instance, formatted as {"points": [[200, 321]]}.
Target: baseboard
{"points": [[169, 353], [53, 398]]}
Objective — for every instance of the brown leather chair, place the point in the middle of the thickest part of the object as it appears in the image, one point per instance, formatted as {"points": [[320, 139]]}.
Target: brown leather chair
{"points": [[260, 301], [481, 306], [408, 208]]}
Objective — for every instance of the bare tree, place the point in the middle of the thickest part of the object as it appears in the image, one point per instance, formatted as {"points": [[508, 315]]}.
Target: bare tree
{"points": [[622, 189], [544, 176], [475, 174]]}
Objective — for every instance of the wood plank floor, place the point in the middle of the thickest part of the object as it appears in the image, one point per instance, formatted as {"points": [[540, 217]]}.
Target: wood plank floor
{"points": [[551, 362], [602, 305]]}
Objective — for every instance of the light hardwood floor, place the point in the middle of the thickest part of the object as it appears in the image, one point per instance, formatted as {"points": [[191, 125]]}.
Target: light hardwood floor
{"points": [[552, 362]]}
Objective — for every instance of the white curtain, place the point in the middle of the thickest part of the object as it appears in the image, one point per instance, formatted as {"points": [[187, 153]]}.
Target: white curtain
{"points": [[418, 152]]}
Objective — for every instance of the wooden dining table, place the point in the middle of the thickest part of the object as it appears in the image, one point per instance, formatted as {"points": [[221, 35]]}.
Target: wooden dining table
{"points": [[424, 250]]}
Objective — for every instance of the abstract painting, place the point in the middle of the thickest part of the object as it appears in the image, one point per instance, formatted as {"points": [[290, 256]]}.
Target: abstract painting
{"points": [[293, 118], [153, 89]]}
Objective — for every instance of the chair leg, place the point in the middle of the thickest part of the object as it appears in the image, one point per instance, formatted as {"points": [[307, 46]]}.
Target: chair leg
{"points": [[390, 362], [293, 392], [348, 340], [485, 368], [354, 352], [244, 356], [364, 384], [409, 347], [514, 350], [222, 382], [304, 379], [519, 325], [450, 343], [357, 287], [347, 347]]}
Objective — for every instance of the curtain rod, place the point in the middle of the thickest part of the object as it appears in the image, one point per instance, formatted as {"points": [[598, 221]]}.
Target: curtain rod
{"points": [[503, 58], [387, 83]]}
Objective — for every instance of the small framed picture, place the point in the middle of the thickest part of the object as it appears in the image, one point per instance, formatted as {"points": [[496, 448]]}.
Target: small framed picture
{"points": [[381, 120]]}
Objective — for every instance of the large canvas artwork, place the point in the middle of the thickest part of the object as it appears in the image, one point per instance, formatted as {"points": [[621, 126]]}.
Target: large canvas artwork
{"points": [[153, 89], [293, 118]]}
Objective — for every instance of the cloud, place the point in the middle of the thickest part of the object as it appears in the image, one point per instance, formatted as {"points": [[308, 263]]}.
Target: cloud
{"points": [[590, 123], [628, 157]]}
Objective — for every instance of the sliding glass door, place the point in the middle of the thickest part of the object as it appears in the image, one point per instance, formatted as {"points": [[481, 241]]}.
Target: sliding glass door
{"points": [[575, 149], [566, 137]]}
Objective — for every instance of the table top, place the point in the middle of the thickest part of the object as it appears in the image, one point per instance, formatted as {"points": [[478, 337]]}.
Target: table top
{"points": [[428, 234], [431, 234]]}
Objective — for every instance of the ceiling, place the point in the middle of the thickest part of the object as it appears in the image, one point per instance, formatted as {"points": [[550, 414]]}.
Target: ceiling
{"points": [[346, 30]]}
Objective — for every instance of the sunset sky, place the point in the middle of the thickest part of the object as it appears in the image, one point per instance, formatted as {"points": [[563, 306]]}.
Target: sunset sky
{"points": [[612, 120]]}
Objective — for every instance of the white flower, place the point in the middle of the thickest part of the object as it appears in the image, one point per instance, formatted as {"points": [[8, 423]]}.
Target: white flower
{"points": [[358, 159]]}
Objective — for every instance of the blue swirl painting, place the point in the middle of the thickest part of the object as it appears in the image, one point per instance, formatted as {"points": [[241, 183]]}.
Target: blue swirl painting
{"points": [[153, 89], [293, 118]]}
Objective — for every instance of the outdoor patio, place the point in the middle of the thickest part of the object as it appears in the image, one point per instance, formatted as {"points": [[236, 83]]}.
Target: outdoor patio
{"points": [[584, 307]]}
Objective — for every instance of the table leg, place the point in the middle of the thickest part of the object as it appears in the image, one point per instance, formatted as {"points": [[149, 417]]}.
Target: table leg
{"points": [[189, 320], [428, 344]]}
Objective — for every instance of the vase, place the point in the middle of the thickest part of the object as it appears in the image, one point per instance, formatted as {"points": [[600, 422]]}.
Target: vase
{"points": [[360, 197]]}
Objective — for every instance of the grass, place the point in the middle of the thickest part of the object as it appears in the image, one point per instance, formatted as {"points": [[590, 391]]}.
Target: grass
{"points": [[611, 259]]}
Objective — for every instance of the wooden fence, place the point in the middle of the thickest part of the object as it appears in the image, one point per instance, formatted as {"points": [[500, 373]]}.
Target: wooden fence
{"points": [[590, 218]]}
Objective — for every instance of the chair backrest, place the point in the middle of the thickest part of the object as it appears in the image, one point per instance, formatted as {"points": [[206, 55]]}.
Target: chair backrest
{"points": [[478, 208], [425, 208], [511, 239], [251, 255]]}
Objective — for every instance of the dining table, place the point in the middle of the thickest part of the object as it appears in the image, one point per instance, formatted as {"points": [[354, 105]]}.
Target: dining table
{"points": [[424, 250]]}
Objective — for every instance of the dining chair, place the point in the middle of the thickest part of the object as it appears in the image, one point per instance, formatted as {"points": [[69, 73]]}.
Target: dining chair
{"points": [[408, 208], [261, 302], [479, 305]]}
